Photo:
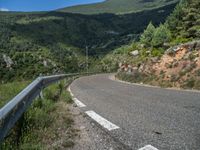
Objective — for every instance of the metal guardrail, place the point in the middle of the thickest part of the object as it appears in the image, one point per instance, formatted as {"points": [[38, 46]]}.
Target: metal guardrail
{"points": [[14, 109]]}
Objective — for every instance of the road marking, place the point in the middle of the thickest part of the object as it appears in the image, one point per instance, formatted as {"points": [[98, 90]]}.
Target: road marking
{"points": [[148, 147], [79, 103], [102, 121], [69, 89]]}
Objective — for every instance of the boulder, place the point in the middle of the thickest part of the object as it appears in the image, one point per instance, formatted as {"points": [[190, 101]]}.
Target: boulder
{"points": [[8, 61], [45, 63], [154, 59], [120, 64], [148, 52], [134, 53]]}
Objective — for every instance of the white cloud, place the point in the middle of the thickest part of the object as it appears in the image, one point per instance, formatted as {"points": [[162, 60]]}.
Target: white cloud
{"points": [[4, 9]]}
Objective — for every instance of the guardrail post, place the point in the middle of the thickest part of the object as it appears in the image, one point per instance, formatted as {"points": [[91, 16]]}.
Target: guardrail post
{"points": [[19, 131], [41, 95]]}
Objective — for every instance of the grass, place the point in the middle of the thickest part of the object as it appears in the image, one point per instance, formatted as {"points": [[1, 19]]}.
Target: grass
{"points": [[134, 78], [191, 83], [48, 123], [9, 90]]}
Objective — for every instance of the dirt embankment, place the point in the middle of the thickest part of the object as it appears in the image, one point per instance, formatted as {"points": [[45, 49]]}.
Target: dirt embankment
{"points": [[178, 67]]}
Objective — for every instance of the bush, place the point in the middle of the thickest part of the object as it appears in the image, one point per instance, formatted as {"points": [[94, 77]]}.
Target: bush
{"points": [[157, 52], [190, 83], [53, 92], [192, 56], [165, 84], [147, 36], [133, 77], [197, 85], [160, 36], [198, 72], [65, 96], [179, 40]]}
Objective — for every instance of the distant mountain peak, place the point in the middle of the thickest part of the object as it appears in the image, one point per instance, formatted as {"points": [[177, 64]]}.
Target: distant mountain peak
{"points": [[118, 6]]}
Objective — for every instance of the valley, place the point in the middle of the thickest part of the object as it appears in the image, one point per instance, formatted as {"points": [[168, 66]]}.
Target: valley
{"points": [[55, 42], [137, 81], [118, 6]]}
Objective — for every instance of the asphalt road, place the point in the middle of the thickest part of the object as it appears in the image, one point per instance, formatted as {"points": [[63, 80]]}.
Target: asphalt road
{"points": [[166, 119]]}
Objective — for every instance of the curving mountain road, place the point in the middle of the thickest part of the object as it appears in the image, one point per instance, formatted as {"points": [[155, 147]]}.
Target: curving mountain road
{"points": [[166, 119]]}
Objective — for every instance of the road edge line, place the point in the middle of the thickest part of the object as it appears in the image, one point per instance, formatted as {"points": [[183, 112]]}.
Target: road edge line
{"points": [[101, 120], [76, 101], [148, 147]]}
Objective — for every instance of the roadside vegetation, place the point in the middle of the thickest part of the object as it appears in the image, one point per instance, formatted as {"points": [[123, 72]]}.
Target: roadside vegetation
{"points": [[11, 89], [47, 124], [166, 55], [55, 42], [34, 44]]}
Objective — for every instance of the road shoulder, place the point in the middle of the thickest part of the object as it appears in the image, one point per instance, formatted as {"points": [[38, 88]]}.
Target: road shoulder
{"points": [[90, 136]]}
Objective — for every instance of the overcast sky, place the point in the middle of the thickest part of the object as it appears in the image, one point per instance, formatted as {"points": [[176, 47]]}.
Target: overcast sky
{"points": [[40, 5]]}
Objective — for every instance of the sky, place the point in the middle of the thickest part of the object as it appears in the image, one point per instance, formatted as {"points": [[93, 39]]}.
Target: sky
{"points": [[40, 5]]}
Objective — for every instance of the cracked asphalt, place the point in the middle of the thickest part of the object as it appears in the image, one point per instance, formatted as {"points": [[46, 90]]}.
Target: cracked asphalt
{"points": [[164, 118]]}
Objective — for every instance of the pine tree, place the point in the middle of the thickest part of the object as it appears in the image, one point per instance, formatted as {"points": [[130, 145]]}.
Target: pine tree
{"points": [[185, 20], [174, 21], [160, 36], [191, 18], [147, 36]]}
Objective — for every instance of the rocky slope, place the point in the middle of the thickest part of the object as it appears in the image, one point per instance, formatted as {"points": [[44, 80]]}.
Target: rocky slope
{"points": [[178, 67]]}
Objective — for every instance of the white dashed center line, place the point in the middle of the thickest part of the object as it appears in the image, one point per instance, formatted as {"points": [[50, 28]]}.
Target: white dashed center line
{"points": [[148, 147], [102, 121], [79, 103]]}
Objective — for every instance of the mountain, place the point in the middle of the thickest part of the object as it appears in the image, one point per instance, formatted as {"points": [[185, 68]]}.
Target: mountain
{"points": [[167, 55], [118, 6], [53, 42]]}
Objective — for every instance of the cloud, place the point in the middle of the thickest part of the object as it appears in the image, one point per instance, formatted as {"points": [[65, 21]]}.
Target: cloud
{"points": [[4, 9]]}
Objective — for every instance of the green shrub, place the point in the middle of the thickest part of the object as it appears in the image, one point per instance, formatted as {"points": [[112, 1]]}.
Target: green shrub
{"points": [[53, 92], [197, 85], [192, 56], [132, 77], [198, 72], [9, 90], [147, 36], [179, 40], [165, 84], [31, 146], [190, 83], [157, 52], [38, 118], [160, 36], [65, 96]]}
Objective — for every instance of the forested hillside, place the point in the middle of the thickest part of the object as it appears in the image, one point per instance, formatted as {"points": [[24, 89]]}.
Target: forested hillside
{"points": [[51, 42], [118, 6], [167, 55]]}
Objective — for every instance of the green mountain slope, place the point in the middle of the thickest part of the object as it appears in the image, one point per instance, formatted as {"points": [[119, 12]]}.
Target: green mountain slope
{"points": [[118, 6], [167, 55], [54, 42]]}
